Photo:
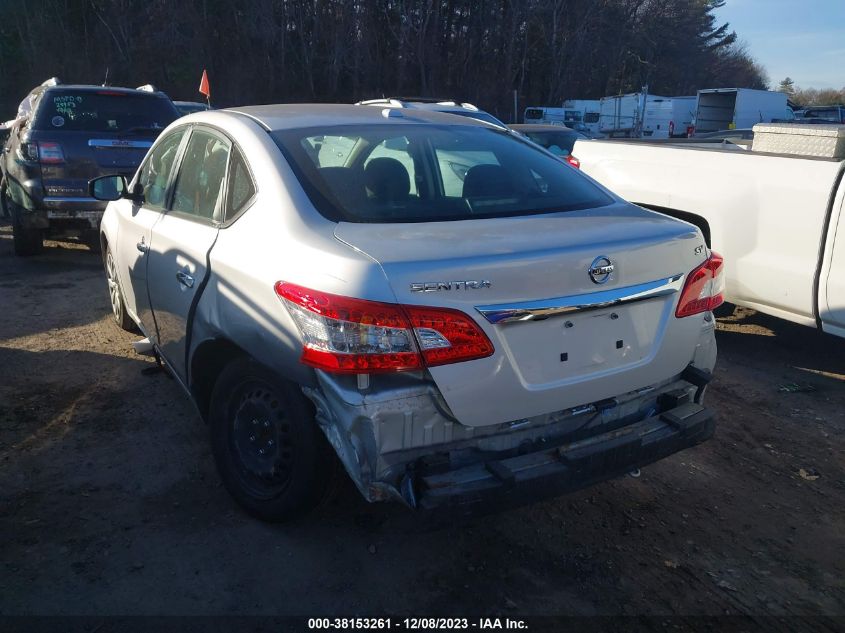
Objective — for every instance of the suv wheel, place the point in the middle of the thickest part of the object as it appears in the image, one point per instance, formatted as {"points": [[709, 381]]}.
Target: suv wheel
{"points": [[271, 455], [91, 239], [118, 307], [27, 241]]}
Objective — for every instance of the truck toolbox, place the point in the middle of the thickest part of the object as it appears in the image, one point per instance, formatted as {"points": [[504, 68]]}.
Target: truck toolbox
{"points": [[823, 141]]}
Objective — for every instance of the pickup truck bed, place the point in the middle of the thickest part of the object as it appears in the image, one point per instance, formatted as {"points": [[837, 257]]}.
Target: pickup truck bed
{"points": [[774, 217]]}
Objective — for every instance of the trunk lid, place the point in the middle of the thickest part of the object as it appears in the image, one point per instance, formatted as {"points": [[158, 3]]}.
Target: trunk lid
{"points": [[567, 359]]}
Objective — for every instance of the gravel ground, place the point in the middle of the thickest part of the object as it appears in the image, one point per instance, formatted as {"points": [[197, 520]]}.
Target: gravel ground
{"points": [[110, 504]]}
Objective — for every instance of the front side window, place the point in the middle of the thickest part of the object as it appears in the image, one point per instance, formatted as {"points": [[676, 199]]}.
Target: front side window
{"points": [[425, 173], [199, 183], [155, 171]]}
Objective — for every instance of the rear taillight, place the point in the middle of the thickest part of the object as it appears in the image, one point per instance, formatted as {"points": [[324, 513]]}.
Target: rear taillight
{"points": [[50, 153], [354, 336], [704, 288], [690, 131], [573, 161]]}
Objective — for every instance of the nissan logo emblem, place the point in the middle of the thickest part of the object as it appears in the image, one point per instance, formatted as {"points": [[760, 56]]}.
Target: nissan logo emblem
{"points": [[600, 270]]}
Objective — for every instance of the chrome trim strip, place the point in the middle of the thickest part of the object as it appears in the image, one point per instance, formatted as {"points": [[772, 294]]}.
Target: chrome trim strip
{"points": [[85, 199], [117, 143], [545, 308]]}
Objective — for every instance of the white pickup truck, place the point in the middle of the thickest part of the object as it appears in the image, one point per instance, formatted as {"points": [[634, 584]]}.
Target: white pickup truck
{"points": [[777, 218]]}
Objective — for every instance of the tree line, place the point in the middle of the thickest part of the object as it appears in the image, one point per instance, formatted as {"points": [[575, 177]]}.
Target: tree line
{"points": [[803, 97], [268, 51]]}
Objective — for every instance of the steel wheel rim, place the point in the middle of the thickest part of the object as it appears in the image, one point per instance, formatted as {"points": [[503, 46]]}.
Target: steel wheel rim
{"points": [[114, 290], [261, 439]]}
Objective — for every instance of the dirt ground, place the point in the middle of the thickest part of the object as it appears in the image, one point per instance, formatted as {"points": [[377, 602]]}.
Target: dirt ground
{"points": [[110, 504]]}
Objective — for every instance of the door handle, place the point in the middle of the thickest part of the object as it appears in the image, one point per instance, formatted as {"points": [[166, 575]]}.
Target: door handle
{"points": [[141, 246], [185, 279]]}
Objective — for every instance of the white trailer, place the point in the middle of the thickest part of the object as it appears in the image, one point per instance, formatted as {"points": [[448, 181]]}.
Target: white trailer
{"points": [[639, 114], [729, 108]]}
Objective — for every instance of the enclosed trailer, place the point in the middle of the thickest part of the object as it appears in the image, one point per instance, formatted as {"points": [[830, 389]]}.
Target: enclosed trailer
{"points": [[728, 108], [640, 114]]}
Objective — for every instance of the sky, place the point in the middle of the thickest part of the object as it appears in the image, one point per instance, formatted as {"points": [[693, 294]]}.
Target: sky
{"points": [[802, 40]]}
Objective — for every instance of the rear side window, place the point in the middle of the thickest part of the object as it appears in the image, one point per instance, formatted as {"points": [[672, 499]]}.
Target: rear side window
{"points": [[241, 186], [199, 183], [426, 173], [103, 111], [591, 117], [155, 171]]}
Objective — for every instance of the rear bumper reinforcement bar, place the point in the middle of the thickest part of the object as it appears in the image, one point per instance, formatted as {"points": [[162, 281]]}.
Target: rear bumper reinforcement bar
{"points": [[567, 467]]}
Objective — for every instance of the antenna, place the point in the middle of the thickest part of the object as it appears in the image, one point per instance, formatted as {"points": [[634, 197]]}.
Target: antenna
{"points": [[106, 80]]}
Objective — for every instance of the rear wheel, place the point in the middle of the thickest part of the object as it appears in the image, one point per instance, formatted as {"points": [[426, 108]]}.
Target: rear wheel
{"points": [[271, 455], [91, 239], [27, 241], [5, 212], [118, 307]]}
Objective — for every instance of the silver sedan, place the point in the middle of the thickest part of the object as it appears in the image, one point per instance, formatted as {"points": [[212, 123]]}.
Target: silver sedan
{"points": [[447, 310]]}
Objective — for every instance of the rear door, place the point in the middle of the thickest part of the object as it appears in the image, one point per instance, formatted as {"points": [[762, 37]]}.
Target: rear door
{"points": [[135, 224], [183, 237]]}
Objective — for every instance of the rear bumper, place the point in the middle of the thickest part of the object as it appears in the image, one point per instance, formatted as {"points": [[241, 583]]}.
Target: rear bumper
{"points": [[564, 468], [64, 215]]}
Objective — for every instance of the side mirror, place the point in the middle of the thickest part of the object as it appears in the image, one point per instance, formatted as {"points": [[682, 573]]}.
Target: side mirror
{"points": [[108, 188]]}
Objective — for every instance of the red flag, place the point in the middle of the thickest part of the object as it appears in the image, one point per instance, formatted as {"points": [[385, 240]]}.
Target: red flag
{"points": [[204, 87]]}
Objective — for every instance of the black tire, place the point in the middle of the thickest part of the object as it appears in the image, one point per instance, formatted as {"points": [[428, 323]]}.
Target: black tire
{"points": [[5, 211], [254, 410], [27, 241], [91, 239], [118, 306]]}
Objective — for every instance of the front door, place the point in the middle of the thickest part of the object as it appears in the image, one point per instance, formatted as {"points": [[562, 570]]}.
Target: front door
{"points": [[135, 222], [182, 239]]}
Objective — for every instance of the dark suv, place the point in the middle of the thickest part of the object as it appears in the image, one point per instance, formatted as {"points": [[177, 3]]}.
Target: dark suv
{"points": [[74, 134], [824, 114]]}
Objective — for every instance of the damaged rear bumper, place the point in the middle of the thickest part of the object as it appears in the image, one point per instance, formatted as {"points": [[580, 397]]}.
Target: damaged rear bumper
{"points": [[398, 440], [569, 466]]}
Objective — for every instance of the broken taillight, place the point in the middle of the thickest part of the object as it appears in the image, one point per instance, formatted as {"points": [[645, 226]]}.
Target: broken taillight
{"points": [[50, 153], [704, 289], [346, 335]]}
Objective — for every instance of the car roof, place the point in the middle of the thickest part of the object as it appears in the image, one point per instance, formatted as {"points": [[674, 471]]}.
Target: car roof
{"points": [[304, 115]]}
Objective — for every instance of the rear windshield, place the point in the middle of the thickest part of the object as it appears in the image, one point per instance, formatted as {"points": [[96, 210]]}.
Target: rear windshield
{"points": [[103, 111], [830, 113], [425, 173], [558, 143]]}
